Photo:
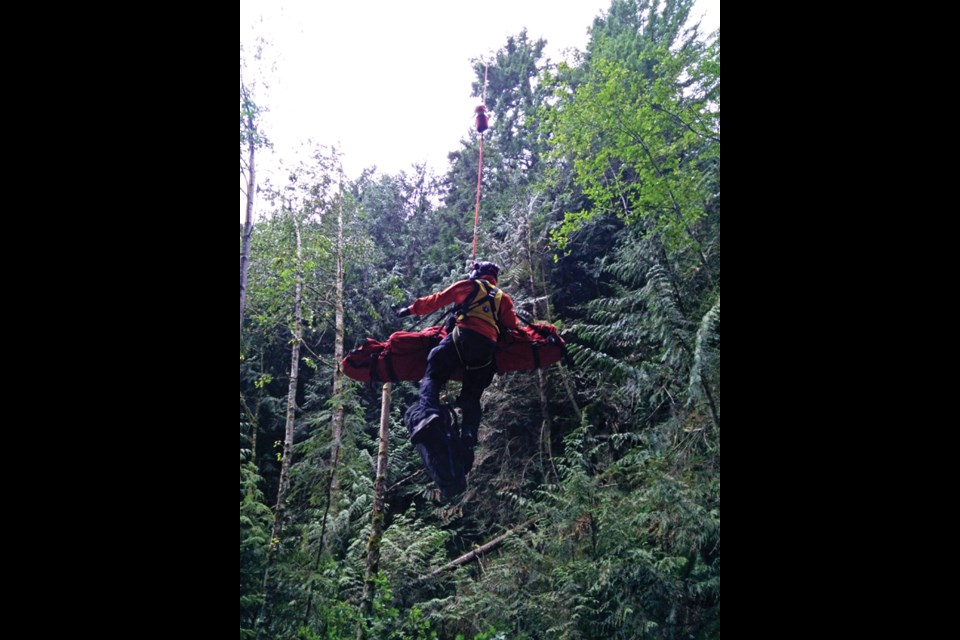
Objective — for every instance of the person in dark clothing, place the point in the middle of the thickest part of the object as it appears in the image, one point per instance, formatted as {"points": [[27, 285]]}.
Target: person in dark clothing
{"points": [[483, 312]]}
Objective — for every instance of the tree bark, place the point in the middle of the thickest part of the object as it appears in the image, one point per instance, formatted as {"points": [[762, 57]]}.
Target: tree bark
{"points": [[288, 429], [546, 427], [248, 222], [291, 389], [336, 420], [546, 424], [376, 517], [337, 416]]}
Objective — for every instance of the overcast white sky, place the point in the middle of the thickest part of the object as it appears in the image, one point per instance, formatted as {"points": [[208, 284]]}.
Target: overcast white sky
{"points": [[389, 82]]}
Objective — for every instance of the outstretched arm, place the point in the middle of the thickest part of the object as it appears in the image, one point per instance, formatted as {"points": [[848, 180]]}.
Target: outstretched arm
{"points": [[508, 317], [428, 304]]}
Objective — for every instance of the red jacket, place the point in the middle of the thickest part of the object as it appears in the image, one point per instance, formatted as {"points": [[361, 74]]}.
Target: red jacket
{"points": [[457, 293]]}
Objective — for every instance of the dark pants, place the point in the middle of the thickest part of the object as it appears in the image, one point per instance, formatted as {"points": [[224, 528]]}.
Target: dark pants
{"points": [[477, 354], [445, 457]]}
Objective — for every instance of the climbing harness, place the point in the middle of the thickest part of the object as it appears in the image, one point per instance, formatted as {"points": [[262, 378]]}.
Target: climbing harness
{"points": [[457, 339], [484, 303]]}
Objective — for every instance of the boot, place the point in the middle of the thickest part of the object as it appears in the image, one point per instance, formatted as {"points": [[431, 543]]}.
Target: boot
{"points": [[420, 430]]}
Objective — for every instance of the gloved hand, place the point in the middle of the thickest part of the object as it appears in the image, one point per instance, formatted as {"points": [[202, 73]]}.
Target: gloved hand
{"points": [[404, 312]]}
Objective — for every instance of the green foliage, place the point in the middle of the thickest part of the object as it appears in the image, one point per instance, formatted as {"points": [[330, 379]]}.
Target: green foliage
{"points": [[252, 136], [512, 97], [255, 520], [623, 548], [706, 355], [643, 125], [341, 620], [606, 473]]}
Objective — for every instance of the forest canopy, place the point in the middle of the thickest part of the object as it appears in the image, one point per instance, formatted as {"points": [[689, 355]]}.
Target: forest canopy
{"points": [[593, 507]]}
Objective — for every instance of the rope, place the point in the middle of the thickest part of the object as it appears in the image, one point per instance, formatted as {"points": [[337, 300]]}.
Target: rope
{"points": [[476, 215]]}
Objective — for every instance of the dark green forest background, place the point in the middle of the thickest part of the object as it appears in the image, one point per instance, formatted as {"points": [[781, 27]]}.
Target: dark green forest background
{"points": [[601, 204]]}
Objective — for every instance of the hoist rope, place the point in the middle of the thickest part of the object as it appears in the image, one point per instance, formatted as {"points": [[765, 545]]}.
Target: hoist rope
{"points": [[476, 215]]}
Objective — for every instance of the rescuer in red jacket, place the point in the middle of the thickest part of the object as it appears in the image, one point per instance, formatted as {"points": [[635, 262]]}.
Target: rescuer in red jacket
{"points": [[483, 312]]}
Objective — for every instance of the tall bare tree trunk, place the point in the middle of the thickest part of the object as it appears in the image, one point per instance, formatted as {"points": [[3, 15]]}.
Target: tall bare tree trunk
{"points": [[248, 222], [376, 517], [336, 421], [546, 429], [548, 317], [337, 416], [546, 424], [256, 417], [291, 389], [288, 428]]}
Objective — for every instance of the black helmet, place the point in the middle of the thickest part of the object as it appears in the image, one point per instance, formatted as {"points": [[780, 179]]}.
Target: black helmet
{"points": [[484, 269]]}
